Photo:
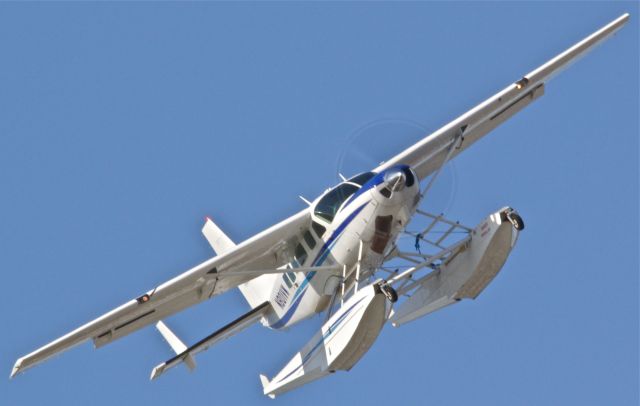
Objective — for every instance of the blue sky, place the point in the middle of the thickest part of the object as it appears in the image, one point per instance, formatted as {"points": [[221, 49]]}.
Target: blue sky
{"points": [[123, 125]]}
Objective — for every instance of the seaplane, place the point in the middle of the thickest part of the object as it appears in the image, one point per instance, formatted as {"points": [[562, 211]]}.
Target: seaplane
{"points": [[340, 258]]}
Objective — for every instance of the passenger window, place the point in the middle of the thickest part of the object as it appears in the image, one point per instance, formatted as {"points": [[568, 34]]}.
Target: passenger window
{"points": [[286, 280], [328, 206], [300, 255], [318, 229], [311, 242], [291, 276]]}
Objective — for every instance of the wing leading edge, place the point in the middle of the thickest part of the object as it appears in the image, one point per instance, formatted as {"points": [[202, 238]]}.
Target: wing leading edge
{"points": [[426, 156]]}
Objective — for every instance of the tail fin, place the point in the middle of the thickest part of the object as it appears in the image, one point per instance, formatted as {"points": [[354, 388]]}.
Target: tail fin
{"points": [[216, 237], [221, 243]]}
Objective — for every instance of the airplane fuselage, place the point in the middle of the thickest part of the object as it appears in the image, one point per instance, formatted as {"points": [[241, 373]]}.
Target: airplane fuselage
{"points": [[360, 223]]}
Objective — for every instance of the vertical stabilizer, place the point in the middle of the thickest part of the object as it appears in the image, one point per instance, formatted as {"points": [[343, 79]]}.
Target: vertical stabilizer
{"points": [[221, 243], [216, 237]]}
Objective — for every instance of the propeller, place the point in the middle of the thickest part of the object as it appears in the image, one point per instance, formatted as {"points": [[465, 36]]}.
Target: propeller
{"points": [[369, 145]]}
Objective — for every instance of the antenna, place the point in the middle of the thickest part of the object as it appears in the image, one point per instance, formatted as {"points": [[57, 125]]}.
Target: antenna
{"points": [[305, 200]]}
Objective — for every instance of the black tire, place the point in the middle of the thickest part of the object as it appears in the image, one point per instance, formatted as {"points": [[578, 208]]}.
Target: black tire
{"points": [[516, 220], [390, 293]]}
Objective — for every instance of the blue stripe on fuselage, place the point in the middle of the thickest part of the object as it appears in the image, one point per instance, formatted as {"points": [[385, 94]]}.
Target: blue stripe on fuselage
{"points": [[373, 182], [320, 258]]}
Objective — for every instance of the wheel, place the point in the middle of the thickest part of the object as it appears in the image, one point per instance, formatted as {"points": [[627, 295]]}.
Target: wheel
{"points": [[516, 220], [390, 293]]}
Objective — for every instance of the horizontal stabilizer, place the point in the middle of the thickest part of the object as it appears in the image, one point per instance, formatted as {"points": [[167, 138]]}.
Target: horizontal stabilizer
{"points": [[225, 332], [176, 344], [265, 382]]}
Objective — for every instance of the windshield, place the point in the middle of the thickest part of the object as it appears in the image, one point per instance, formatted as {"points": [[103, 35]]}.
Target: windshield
{"points": [[328, 206], [362, 178]]}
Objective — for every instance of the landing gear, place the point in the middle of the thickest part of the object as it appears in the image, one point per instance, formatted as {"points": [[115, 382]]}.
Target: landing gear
{"points": [[389, 292]]}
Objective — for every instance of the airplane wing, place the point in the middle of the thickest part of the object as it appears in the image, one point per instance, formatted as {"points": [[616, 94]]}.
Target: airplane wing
{"points": [[426, 156], [260, 254]]}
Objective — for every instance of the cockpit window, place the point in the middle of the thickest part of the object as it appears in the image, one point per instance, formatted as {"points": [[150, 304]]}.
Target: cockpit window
{"points": [[362, 178], [328, 206]]}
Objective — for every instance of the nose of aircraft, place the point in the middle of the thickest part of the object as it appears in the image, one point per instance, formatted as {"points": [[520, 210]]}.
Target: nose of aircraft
{"points": [[395, 180]]}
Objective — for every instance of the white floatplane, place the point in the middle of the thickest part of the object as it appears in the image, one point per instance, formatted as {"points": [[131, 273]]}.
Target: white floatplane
{"points": [[330, 258]]}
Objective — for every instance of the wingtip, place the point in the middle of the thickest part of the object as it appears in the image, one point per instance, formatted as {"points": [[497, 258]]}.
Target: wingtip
{"points": [[624, 17], [16, 368], [621, 20]]}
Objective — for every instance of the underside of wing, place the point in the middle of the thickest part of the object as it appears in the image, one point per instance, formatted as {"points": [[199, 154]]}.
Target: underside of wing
{"points": [[426, 156], [260, 254]]}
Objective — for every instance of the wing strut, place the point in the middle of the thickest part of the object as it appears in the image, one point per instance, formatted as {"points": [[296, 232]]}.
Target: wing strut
{"points": [[456, 143]]}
